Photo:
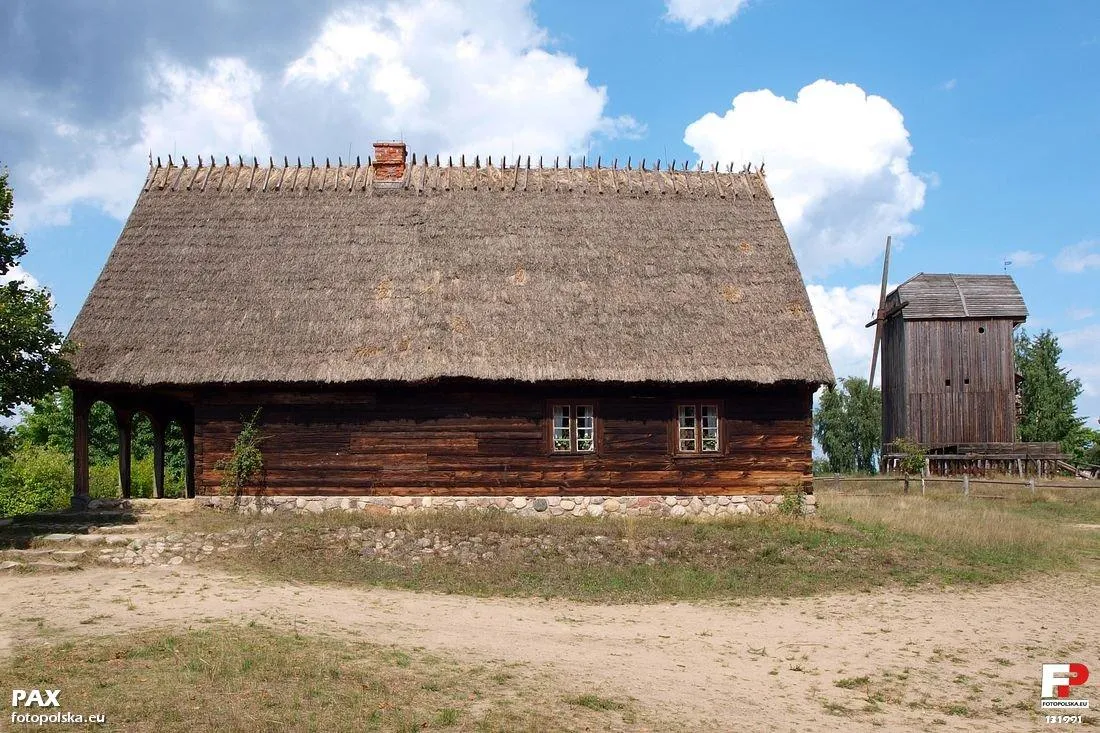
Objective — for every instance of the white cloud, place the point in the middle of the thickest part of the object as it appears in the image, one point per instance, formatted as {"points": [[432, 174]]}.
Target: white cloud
{"points": [[448, 76], [949, 85], [18, 273], [1080, 314], [842, 314], [1079, 257], [190, 111], [1023, 258], [698, 13], [461, 76], [837, 161]]}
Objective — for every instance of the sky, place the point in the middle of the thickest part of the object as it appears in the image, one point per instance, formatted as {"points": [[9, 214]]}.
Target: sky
{"points": [[969, 132]]}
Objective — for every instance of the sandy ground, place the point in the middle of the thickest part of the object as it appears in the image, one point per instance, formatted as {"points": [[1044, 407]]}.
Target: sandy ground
{"points": [[757, 665]]}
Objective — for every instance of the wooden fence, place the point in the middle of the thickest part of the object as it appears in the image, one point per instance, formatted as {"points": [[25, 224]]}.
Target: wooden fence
{"points": [[964, 485]]}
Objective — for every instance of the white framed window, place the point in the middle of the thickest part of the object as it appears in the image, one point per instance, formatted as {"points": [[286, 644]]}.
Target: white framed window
{"points": [[573, 428], [697, 428]]}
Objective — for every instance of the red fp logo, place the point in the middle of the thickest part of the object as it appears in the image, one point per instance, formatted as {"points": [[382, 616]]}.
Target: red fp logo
{"points": [[1058, 678]]}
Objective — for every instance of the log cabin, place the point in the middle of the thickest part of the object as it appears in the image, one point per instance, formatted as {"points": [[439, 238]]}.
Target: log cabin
{"points": [[451, 328]]}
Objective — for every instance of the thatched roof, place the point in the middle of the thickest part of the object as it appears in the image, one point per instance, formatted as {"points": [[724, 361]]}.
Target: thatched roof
{"points": [[241, 273], [959, 296]]}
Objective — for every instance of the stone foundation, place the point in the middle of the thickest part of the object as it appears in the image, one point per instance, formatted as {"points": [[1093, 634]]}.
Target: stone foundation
{"points": [[553, 506]]}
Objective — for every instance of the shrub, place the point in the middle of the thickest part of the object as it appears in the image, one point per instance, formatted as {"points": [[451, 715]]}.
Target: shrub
{"points": [[103, 481], [245, 463], [34, 479], [791, 504]]}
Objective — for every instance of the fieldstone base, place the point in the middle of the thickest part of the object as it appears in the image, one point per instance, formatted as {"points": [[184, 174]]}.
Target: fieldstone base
{"points": [[553, 506]]}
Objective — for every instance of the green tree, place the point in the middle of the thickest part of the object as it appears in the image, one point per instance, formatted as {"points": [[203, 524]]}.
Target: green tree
{"points": [[848, 426], [32, 358], [1048, 394]]}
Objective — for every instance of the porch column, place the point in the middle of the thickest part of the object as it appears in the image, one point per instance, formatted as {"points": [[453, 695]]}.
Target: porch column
{"points": [[81, 407], [188, 427], [158, 457], [124, 420]]}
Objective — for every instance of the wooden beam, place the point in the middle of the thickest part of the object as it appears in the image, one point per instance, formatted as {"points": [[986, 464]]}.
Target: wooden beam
{"points": [[124, 421], [158, 457], [81, 409], [188, 427], [888, 314]]}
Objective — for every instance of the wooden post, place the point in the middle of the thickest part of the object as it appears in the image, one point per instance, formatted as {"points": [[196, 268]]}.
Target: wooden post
{"points": [[158, 457], [189, 446], [966, 485], [124, 421], [81, 407], [1031, 485]]}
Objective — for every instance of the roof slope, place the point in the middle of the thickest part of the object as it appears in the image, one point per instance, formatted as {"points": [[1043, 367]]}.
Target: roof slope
{"points": [[253, 274], [959, 296]]}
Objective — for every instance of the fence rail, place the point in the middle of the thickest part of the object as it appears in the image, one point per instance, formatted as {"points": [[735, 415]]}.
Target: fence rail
{"points": [[959, 484]]}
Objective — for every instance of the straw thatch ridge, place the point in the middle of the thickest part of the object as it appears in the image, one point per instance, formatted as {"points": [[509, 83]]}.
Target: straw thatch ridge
{"points": [[244, 273]]}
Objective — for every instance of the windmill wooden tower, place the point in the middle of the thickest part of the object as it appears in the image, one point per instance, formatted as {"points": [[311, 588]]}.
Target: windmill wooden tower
{"points": [[949, 380]]}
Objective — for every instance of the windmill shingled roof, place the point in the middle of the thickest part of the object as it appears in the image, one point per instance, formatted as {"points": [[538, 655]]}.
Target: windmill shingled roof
{"points": [[959, 296]]}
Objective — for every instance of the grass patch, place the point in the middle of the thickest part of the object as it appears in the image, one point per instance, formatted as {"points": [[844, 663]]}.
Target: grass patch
{"points": [[856, 543], [595, 702], [851, 683], [254, 678]]}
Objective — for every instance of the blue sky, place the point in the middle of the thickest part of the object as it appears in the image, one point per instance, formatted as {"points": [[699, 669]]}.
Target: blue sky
{"points": [[969, 131]]}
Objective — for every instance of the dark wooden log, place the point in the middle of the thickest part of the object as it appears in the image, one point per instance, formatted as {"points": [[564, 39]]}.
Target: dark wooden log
{"points": [[81, 409], [494, 439], [124, 421], [158, 457]]}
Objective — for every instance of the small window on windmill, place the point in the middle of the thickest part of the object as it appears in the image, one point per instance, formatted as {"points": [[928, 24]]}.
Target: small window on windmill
{"points": [[981, 329], [947, 383]]}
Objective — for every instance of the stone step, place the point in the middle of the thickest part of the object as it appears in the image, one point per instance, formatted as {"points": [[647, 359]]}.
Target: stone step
{"points": [[10, 565], [31, 553], [105, 539], [67, 554], [52, 566]]}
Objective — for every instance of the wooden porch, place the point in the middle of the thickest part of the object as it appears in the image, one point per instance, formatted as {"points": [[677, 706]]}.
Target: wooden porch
{"points": [[1040, 460], [162, 408]]}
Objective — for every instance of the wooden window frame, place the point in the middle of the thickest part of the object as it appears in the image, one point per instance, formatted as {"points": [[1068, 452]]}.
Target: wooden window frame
{"points": [[674, 428], [597, 427]]}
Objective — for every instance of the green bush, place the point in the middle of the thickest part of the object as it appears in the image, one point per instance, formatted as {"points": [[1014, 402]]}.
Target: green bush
{"points": [[141, 480], [103, 481], [34, 479]]}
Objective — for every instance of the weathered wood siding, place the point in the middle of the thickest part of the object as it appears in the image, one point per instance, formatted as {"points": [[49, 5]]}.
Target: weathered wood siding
{"points": [[406, 440], [958, 382], [893, 380]]}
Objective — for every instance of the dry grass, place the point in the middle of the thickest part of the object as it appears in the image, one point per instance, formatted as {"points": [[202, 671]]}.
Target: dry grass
{"points": [[856, 543], [256, 679], [953, 521]]}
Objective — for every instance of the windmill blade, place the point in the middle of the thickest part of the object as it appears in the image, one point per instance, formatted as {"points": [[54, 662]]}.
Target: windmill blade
{"points": [[880, 315]]}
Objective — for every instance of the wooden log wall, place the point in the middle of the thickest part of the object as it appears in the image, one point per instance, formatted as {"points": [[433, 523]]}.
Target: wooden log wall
{"points": [[435, 440], [959, 382]]}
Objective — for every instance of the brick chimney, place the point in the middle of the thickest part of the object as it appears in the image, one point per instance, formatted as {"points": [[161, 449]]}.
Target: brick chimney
{"points": [[389, 161]]}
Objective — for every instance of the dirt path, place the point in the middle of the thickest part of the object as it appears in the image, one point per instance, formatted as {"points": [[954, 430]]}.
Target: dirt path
{"points": [[942, 660]]}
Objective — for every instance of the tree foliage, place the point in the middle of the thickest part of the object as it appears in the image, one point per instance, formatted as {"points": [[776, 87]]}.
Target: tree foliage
{"points": [[848, 426], [1048, 394], [32, 359]]}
